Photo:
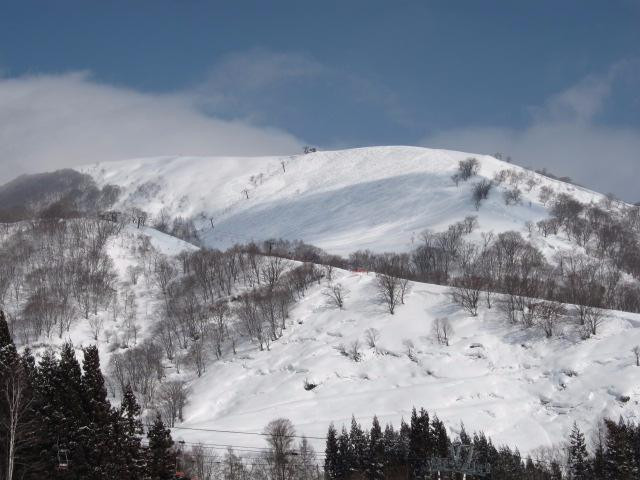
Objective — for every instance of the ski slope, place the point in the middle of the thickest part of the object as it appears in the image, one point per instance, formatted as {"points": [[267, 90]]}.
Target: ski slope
{"points": [[513, 383], [380, 198]]}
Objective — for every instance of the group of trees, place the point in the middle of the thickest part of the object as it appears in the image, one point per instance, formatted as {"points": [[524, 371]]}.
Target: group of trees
{"points": [[56, 421], [60, 194], [615, 453], [211, 299], [52, 272], [406, 453]]}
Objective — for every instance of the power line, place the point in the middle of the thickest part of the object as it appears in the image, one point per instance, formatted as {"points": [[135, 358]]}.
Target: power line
{"points": [[262, 434]]}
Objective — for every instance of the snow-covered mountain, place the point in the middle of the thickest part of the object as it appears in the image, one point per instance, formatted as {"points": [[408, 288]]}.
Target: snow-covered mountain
{"points": [[509, 381], [379, 198], [512, 382]]}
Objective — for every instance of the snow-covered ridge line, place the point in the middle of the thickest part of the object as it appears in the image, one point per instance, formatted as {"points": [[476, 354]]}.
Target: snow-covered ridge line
{"points": [[376, 197]]}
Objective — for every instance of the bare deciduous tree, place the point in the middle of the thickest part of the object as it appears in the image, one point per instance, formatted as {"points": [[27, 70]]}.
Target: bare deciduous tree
{"points": [[389, 290], [336, 295], [95, 324], [173, 398], [442, 331], [281, 440], [372, 335], [466, 292]]}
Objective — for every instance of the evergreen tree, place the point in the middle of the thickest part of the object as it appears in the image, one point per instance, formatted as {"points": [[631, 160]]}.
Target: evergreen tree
{"points": [[345, 463], [161, 459], [619, 463], [331, 454], [60, 401], [377, 454], [403, 442], [391, 441], [359, 446], [598, 463], [556, 471], [578, 461], [420, 443], [99, 445], [440, 439], [126, 429]]}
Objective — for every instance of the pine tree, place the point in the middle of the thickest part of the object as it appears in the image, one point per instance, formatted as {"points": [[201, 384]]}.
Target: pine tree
{"points": [[161, 459], [598, 464], [420, 445], [67, 427], [345, 463], [391, 441], [440, 439], [403, 442], [578, 457], [359, 446], [331, 454], [377, 454], [619, 461], [99, 447]]}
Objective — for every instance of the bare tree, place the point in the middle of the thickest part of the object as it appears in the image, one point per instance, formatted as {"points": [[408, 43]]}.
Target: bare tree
{"points": [[14, 396], [173, 398], [372, 336], [636, 352], [389, 290], [549, 313], [512, 196], [205, 463], [442, 331], [95, 324], [272, 269], [593, 318], [281, 440], [466, 292], [336, 295]]}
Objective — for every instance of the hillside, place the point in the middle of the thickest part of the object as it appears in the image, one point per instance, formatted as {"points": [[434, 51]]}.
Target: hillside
{"points": [[380, 198], [516, 385], [196, 320], [507, 380]]}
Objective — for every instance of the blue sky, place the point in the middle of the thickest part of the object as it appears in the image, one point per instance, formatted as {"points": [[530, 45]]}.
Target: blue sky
{"points": [[553, 83]]}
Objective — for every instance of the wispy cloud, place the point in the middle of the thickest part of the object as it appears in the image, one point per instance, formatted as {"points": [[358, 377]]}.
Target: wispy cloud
{"points": [[258, 84], [565, 136], [54, 121]]}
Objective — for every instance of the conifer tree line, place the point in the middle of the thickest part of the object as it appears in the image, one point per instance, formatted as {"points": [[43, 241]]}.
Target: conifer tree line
{"points": [[405, 453], [57, 423]]}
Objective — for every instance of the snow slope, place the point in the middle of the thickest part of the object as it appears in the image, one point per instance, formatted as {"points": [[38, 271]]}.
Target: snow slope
{"points": [[379, 198], [514, 384]]}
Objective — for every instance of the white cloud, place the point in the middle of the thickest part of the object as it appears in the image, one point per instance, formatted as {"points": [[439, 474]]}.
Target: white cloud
{"points": [[565, 137], [53, 121]]}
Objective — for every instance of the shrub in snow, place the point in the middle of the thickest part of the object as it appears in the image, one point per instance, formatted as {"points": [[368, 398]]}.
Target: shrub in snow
{"points": [[512, 196], [480, 192]]}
